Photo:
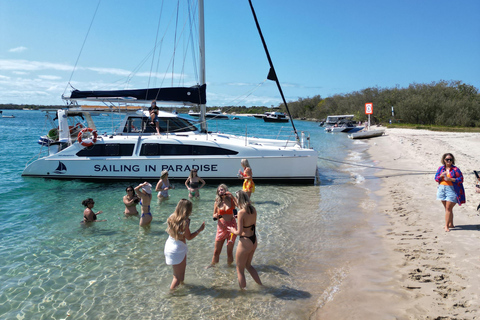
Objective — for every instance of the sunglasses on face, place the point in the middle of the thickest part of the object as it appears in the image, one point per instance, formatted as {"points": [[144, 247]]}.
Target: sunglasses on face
{"points": [[448, 159]]}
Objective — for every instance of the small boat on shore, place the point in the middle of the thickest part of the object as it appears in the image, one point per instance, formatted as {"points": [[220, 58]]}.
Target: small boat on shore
{"points": [[332, 120], [346, 126], [367, 134]]}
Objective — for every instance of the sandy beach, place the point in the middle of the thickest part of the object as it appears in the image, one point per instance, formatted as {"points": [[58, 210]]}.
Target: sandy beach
{"points": [[412, 268]]}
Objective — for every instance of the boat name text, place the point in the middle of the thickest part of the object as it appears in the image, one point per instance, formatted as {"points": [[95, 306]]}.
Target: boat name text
{"points": [[153, 168]]}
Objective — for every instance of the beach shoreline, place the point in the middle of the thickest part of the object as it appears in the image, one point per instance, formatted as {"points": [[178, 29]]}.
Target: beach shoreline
{"points": [[413, 268]]}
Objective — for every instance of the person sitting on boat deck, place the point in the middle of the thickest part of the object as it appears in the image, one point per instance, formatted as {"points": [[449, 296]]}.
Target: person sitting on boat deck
{"points": [[130, 200], [88, 214], [247, 244], [192, 184], [248, 185], [223, 212], [153, 113], [163, 185], [176, 245], [144, 192]]}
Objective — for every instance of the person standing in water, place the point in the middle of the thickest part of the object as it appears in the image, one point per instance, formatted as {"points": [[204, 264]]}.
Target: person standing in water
{"points": [[144, 192], [176, 245], [247, 244], [450, 187], [88, 214], [192, 183], [223, 212], [130, 200], [248, 185], [163, 186]]}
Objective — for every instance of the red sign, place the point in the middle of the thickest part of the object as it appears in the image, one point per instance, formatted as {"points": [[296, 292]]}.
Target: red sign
{"points": [[368, 108]]}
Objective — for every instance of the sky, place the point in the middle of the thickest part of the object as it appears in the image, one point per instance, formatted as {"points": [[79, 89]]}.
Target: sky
{"points": [[318, 47]]}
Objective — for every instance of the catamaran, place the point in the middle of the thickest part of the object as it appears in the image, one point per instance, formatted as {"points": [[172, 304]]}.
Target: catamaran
{"points": [[136, 150]]}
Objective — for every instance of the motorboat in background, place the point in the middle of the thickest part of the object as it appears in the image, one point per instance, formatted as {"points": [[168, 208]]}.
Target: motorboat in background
{"points": [[332, 120], [215, 114], [275, 117], [344, 126]]}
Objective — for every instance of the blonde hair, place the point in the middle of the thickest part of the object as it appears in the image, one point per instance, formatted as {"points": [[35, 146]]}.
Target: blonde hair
{"points": [[245, 163], [178, 220], [243, 201], [218, 199], [163, 174]]}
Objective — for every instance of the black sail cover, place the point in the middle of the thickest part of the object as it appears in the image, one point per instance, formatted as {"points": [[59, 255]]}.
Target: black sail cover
{"points": [[187, 95]]}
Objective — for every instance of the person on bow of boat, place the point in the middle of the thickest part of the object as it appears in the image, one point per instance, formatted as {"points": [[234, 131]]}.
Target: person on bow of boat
{"points": [[130, 200], [223, 213], [144, 192], [153, 113]]}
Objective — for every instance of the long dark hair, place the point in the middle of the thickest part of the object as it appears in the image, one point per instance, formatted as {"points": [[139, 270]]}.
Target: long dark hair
{"points": [[86, 202]]}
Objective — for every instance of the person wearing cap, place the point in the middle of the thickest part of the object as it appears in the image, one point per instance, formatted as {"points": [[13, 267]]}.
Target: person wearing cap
{"points": [[163, 186], [193, 184], [144, 192]]}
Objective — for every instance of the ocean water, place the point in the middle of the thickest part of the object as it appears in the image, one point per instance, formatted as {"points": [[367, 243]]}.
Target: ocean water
{"points": [[53, 267]]}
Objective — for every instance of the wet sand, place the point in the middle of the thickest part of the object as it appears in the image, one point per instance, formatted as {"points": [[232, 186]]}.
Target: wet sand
{"points": [[412, 268]]}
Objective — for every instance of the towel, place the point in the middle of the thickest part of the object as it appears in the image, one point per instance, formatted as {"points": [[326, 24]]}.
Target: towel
{"points": [[175, 251]]}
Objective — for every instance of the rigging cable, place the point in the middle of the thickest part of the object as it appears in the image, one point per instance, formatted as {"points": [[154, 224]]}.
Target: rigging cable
{"points": [[272, 75], [374, 167], [83, 45]]}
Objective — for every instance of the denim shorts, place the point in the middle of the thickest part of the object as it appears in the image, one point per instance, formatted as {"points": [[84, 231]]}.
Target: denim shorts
{"points": [[446, 193]]}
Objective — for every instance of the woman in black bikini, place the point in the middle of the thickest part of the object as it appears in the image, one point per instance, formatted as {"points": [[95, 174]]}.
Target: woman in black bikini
{"points": [[247, 217]]}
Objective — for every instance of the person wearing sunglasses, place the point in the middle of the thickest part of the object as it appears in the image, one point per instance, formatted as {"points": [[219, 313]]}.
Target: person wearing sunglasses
{"points": [[130, 200], [193, 184], [88, 214], [450, 187]]}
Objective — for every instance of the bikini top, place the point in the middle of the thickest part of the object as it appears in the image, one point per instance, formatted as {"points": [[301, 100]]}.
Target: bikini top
{"points": [[223, 212], [252, 227], [86, 219], [194, 185]]}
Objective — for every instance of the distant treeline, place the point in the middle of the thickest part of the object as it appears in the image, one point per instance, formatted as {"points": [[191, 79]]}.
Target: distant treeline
{"points": [[440, 103]]}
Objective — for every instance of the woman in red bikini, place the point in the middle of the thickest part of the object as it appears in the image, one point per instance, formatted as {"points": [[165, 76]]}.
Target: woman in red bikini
{"points": [[223, 212]]}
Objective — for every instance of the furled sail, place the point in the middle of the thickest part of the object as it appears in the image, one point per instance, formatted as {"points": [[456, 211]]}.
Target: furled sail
{"points": [[174, 95]]}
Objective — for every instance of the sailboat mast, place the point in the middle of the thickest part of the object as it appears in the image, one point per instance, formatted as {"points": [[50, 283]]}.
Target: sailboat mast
{"points": [[201, 39]]}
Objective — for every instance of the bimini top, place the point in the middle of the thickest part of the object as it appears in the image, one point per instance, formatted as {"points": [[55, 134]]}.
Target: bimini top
{"points": [[172, 95]]}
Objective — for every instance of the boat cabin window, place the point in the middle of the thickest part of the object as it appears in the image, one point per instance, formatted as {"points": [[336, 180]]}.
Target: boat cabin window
{"points": [[107, 150], [156, 149], [172, 125]]}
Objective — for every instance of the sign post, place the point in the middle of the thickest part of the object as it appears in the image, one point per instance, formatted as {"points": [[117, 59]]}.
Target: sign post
{"points": [[369, 111]]}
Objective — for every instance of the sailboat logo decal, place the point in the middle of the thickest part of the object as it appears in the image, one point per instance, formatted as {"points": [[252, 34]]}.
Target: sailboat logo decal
{"points": [[61, 169]]}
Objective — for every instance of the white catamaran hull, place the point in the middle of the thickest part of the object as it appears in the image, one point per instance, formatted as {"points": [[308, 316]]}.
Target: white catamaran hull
{"points": [[269, 162]]}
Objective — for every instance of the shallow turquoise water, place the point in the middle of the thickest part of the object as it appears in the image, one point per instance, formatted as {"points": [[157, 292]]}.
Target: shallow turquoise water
{"points": [[53, 267]]}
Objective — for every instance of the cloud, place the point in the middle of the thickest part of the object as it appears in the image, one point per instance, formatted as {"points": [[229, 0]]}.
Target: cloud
{"points": [[17, 49], [47, 77], [25, 65]]}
